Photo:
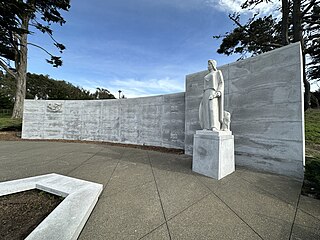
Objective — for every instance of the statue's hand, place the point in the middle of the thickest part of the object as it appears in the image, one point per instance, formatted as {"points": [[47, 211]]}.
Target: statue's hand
{"points": [[218, 94]]}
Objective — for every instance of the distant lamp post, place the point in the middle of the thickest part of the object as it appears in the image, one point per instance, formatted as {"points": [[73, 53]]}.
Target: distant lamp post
{"points": [[119, 93]]}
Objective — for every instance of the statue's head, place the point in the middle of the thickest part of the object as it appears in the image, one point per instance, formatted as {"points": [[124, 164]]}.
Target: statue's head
{"points": [[212, 65]]}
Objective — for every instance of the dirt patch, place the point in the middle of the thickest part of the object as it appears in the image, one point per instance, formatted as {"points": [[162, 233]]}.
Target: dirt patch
{"points": [[21, 213], [10, 136]]}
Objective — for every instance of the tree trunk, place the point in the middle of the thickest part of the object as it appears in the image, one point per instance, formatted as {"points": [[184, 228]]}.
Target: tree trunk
{"points": [[307, 94], [21, 74], [297, 37], [296, 18], [285, 22]]}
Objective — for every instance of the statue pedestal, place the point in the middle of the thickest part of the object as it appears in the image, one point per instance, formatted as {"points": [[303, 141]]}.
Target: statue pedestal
{"points": [[213, 153]]}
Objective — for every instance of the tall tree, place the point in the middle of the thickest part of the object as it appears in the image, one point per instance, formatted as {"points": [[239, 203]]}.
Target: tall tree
{"points": [[102, 93], [300, 21], [285, 22], [44, 87], [311, 24], [18, 19]]}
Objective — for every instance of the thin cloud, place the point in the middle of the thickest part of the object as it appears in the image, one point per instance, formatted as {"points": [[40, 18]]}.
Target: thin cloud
{"points": [[184, 5], [235, 6], [133, 87]]}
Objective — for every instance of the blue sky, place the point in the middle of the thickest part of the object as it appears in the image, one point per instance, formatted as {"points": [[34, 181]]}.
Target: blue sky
{"points": [[142, 47]]}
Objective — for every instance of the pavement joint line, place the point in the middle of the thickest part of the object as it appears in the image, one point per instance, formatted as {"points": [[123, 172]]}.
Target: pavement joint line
{"points": [[231, 209], [103, 188], [152, 230], [154, 178], [84, 162], [56, 158], [295, 215], [192, 174], [52, 159], [196, 202], [24, 150], [27, 149], [63, 155], [169, 219], [113, 172], [122, 191], [266, 191], [309, 214], [32, 148]]}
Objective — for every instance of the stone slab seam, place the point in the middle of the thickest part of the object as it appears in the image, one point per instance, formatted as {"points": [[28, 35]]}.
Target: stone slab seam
{"points": [[230, 208], [155, 181], [152, 230], [264, 190], [169, 219], [295, 215], [113, 171], [84, 161], [317, 218]]}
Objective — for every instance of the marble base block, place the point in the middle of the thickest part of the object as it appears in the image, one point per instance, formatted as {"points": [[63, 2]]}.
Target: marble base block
{"points": [[213, 153]]}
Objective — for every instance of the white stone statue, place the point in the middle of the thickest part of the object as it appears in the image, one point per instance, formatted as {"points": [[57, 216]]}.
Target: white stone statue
{"points": [[211, 113]]}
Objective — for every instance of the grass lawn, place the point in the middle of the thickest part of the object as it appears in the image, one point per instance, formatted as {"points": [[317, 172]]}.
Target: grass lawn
{"points": [[8, 124], [312, 168], [312, 126]]}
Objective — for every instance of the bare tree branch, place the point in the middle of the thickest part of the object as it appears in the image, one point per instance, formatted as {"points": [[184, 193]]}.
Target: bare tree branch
{"points": [[234, 19], [47, 30], [43, 49], [6, 68]]}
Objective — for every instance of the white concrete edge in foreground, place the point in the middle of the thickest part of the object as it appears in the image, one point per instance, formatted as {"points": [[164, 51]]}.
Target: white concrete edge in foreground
{"points": [[69, 217]]}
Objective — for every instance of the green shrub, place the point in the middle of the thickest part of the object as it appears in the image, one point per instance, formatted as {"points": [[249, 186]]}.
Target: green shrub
{"points": [[8, 124]]}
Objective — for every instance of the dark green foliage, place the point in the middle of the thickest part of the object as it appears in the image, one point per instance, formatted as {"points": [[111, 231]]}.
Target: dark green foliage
{"points": [[263, 34], [39, 15], [312, 171], [18, 19], [102, 93], [314, 66], [312, 40], [10, 11], [44, 87], [5, 101], [7, 91], [9, 124], [314, 103], [256, 36], [312, 177], [317, 94]]}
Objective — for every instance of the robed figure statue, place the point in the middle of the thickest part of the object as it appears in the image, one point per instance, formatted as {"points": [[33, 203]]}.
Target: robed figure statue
{"points": [[211, 112]]}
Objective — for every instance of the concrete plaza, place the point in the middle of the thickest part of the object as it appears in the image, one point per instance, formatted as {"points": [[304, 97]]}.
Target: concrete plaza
{"points": [[155, 195]]}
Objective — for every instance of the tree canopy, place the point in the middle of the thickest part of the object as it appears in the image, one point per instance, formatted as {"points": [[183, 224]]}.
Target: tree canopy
{"points": [[44, 87], [18, 19], [257, 36], [299, 21]]}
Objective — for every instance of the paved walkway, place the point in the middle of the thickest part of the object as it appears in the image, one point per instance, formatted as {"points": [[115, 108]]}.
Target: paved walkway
{"points": [[153, 195]]}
